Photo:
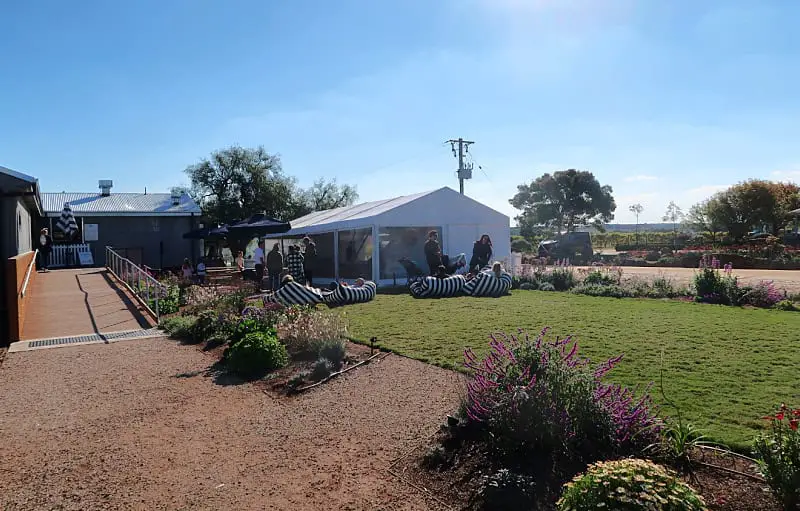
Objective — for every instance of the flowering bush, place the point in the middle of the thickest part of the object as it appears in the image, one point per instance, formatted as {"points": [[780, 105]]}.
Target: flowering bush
{"points": [[604, 277], [607, 290], [714, 287], [537, 397], [778, 455], [255, 319], [763, 294], [303, 329], [631, 484]]}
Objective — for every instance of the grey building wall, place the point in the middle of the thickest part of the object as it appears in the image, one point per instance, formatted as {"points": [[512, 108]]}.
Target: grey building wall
{"points": [[16, 227], [155, 241]]}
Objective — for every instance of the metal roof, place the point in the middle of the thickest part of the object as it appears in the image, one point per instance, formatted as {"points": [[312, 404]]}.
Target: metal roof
{"points": [[17, 175], [119, 204], [355, 212]]}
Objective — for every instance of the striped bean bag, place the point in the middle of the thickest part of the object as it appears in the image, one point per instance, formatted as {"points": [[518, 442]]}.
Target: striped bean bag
{"points": [[486, 284], [432, 287], [293, 293], [346, 295]]}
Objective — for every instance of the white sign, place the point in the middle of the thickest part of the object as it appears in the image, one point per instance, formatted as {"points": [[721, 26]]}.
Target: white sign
{"points": [[90, 232], [86, 258]]}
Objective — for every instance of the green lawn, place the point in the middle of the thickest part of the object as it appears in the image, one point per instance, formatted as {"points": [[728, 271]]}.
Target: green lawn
{"points": [[725, 366]]}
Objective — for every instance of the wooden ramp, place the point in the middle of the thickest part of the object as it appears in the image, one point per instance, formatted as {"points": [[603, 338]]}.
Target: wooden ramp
{"points": [[84, 302]]}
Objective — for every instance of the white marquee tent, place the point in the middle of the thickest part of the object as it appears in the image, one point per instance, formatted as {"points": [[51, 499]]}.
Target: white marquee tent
{"points": [[346, 237]]}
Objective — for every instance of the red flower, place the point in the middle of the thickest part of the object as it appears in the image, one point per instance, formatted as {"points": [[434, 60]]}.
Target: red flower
{"points": [[793, 424], [796, 413], [779, 416]]}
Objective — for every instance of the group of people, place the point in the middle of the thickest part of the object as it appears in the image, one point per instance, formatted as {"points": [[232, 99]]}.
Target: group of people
{"points": [[197, 274], [440, 266], [299, 264]]}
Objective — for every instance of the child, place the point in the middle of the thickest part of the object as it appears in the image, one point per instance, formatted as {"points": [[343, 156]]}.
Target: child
{"points": [[201, 271], [186, 269]]}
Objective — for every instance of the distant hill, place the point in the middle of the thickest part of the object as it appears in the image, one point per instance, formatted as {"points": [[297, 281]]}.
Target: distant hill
{"points": [[658, 227]]}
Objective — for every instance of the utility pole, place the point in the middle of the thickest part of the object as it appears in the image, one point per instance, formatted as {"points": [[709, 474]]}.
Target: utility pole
{"points": [[464, 170]]}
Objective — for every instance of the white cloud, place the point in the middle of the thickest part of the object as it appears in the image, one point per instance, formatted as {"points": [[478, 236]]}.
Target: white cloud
{"points": [[786, 175], [640, 177]]}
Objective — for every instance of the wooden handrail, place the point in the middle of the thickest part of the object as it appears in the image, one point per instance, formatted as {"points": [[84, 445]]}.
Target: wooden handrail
{"points": [[28, 274]]}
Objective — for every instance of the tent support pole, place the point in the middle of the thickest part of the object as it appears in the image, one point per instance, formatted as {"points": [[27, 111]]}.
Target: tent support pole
{"points": [[336, 255], [376, 256]]}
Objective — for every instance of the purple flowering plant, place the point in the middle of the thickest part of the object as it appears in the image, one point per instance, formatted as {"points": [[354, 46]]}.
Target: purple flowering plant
{"points": [[537, 396]]}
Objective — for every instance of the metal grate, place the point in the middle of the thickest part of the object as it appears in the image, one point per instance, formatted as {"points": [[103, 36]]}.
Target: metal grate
{"points": [[129, 334]]}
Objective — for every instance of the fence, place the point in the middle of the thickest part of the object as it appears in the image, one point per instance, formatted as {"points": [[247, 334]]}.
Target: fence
{"points": [[139, 281], [67, 255]]}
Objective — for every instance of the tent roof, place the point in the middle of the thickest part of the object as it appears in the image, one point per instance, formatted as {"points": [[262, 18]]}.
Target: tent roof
{"points": [[348, 216]]}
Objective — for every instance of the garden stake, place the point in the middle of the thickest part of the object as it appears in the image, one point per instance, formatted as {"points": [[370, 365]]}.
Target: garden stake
{"points": [[372, 345]]}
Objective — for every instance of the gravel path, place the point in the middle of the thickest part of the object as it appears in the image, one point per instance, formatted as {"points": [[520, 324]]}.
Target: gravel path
{"points": [[114, 427]]}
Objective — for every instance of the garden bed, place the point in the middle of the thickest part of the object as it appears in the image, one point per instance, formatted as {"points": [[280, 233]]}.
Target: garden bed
{"points": [[721, 489]]}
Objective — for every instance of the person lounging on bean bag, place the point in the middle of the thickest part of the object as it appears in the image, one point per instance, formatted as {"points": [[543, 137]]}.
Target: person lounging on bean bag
{"points": [[346, 295], [489, 284], [433, 287], [294, 293]]}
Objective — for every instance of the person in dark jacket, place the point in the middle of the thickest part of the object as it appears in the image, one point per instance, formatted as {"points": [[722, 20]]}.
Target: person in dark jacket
{"points": [[433, 252], [481, 253], [45, 248], [309, 259], [275, 267]]}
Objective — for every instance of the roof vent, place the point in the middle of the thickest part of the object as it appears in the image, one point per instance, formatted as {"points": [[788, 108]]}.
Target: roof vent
{"points": [[176, 195], [105, 187]]}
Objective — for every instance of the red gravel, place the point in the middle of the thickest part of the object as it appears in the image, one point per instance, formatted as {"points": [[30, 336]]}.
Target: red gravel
{"points": [[114, 427]]}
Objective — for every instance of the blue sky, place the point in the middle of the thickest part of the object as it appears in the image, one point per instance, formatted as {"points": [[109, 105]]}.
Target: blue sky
{"points": [[661, 100]]}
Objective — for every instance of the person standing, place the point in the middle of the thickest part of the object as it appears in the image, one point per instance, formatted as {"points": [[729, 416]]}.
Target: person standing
{"points": [[309, 260], [45, 248], [433, 252], [481, 253], [275, 267], [259, 259], [294, 261]]}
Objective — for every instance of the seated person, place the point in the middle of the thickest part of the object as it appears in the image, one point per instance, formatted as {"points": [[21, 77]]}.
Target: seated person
{"points": [[359, 282], [286, 279], [497, 269]]}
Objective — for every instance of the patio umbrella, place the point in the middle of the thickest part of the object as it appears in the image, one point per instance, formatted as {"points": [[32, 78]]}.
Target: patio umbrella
{"points": [[66, 223], [258, 225], [218, 232]]}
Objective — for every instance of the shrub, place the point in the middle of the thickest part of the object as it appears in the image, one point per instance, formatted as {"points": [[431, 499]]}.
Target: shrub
{"points": [[331, 349], [303, 328], [537, 397], [256, 319], [778, 456], [506, 490], [602, 278], [630, 484], [763, 294], [652, 256], [611, 291], [786, 305], [546, 286], [521, 245], [528, 286], [169, 301], [322, 369], [715, 287], [664, 287], [563, 279], [179, 327], [206, 326], [256, 354]]}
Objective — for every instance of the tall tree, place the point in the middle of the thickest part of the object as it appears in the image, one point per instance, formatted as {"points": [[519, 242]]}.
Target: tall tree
{"points": [[636, 209], [754, 204], [702, 218], [236, 183], [674, 214], [564, 200]]}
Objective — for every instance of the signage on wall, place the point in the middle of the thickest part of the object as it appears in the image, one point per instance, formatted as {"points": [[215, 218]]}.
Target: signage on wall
{"points": [[90, 232]]}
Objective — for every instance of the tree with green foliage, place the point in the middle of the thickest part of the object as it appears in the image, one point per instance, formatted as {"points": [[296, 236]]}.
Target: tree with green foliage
{"points": [[562, 201], [754, 204], [701, 218], [236, 183]]}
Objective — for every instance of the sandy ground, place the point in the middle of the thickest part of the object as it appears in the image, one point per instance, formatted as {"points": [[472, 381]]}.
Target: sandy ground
{"points": [[783, 279], [132, 425]]}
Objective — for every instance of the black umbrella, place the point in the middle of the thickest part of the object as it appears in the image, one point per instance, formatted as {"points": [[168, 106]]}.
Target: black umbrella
{"points": [[258, 225], [220, 231]]}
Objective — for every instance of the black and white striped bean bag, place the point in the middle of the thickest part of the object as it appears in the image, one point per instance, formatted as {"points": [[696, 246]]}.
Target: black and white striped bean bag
{"points": [[294, 293], [486, 284], [432, 287], [346, 295]]}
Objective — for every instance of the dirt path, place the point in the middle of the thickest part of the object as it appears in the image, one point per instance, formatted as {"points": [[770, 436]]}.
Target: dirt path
{"points": [[114, 427], [783, 279]]}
